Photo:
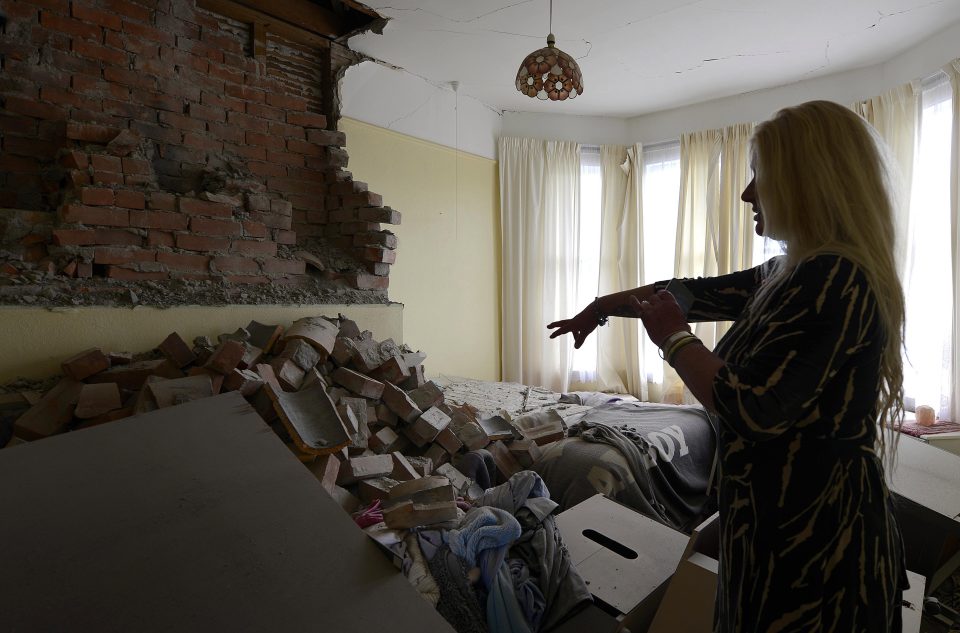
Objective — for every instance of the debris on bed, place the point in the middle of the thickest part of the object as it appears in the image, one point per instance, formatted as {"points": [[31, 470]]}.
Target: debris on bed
{"points": [[357, 411]]}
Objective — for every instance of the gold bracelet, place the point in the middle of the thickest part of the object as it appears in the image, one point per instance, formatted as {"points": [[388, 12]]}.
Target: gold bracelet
{"points": [[680, 345], [668, 349]]}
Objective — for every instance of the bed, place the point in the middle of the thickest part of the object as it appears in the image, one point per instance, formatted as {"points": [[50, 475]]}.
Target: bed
{"points": [[654, 458]]}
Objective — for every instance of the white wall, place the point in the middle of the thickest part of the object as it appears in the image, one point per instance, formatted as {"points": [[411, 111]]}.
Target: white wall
{"points": [[396, 100]]}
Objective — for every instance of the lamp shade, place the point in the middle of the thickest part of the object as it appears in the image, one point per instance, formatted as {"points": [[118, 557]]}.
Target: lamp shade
{"points": [[549, 73]]}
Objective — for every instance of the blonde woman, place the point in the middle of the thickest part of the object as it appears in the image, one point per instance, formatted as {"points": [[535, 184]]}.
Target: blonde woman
{"points": [[802, 385]]}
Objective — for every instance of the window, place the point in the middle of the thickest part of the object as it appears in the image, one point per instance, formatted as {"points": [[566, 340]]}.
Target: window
{"points": [[661, 202], [588, 268], [929, 301]]}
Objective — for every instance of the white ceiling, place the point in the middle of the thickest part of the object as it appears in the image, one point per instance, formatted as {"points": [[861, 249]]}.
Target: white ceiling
{"points": [[642, 56]]}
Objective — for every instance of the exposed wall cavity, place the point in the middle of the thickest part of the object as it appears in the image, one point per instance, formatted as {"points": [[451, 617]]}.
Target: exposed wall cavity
{"points": [[158, 152]]}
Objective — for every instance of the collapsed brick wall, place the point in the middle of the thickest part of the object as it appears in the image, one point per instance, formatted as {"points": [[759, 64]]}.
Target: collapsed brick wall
{"points": [[141, 141]]}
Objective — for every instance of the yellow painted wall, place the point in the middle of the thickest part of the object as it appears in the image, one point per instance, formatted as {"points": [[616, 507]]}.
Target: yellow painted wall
{"points": [[447, 273], [35, 340]]}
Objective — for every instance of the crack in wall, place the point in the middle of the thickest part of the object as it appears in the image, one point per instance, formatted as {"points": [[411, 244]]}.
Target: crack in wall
{"points": [[449, 19]]}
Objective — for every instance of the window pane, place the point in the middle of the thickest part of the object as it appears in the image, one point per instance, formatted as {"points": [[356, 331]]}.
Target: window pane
{"points": [[926, 280], [585, 358], [661, 202]]}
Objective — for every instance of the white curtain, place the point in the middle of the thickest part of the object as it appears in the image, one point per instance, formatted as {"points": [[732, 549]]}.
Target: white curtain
{"points": [[895, 115], [539, 213], [714, 229], [953, 71]]}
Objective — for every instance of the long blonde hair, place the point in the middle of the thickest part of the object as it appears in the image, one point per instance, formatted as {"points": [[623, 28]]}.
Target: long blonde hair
{"points": [[826, 184]]}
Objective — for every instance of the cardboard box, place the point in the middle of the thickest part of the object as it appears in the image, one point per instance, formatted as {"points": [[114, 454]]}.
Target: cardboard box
{"points": [[924, 480], [688, 604], [689, 600], [191, 518], [625, 557]]}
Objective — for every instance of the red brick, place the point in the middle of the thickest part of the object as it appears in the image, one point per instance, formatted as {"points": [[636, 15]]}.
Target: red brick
{"points": [[307, 119], [255, 229], [130, 199], [126, 274], [377, 238], [265, 111], [135, 166], [96, 196], [298, 186], [248, 122], [363, 281], [265, 140], [69, 26], [303, 147], [227, 74], [159, 220], [287, 102], [79, 178], [149, 33], [106, 163], [181, 262], [228, 133], [246, 151], [163, 201], [363, 199], [101, 53], [285, 237], [105, 255], [101, 216], [160, 101], [253, 247], [73, 237], [235, 265], [207, 113], [189, 242], [220, 228], [285, 158], [74, 159], [374, 254], [35, 109], [117, 237], [160, 238], [327, 137], [128, 9], [343, 215], [19, 164], [385, 215], [272, 220], [266, 170], [29, 147], [96, 16], [136, 180], [287, 131], [85, 364], [194, 206], [289, 266], [246, 93], [198, 141], [87, 132], [107, 178]]}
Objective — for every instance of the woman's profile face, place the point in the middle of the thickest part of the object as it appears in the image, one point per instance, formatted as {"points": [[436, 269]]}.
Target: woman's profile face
{"points": [[749, 196]]}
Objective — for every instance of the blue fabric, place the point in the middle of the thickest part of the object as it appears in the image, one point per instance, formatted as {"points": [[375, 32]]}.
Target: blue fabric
{"points": [[528, 594], [504, 614], [482, 540]]}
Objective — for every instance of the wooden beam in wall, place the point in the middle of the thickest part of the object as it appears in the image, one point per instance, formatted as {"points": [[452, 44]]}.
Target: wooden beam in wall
{"points": [[265, 22], [302, 13]]}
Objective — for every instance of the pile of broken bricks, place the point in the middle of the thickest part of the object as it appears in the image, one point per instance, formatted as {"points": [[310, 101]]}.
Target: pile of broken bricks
{"points": [[359, 413]]}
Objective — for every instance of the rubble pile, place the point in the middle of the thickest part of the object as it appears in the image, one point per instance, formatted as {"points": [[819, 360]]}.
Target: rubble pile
{"points": [[358, 412]]}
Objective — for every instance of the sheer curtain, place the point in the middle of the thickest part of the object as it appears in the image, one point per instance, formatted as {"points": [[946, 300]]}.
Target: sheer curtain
{"points": [[953, 71], [895, 115], [539, 213], [714, 230]]}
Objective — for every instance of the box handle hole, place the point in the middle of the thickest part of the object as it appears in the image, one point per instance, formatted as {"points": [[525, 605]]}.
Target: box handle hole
{"points": [[610, 544]]}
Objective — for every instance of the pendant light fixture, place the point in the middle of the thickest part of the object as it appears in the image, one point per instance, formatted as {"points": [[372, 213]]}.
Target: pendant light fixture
{"points": [[549, 73]]}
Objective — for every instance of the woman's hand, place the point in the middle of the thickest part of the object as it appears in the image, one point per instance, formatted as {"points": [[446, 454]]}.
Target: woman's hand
{"points": [[580, 326], [661, 316]]}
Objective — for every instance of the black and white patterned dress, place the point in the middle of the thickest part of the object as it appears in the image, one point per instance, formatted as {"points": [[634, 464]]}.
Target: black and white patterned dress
{"points": [[807, 534]]}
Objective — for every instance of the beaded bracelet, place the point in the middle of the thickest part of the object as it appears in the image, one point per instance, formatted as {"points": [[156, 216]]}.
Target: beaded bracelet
{"points": [[601, 320]]}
